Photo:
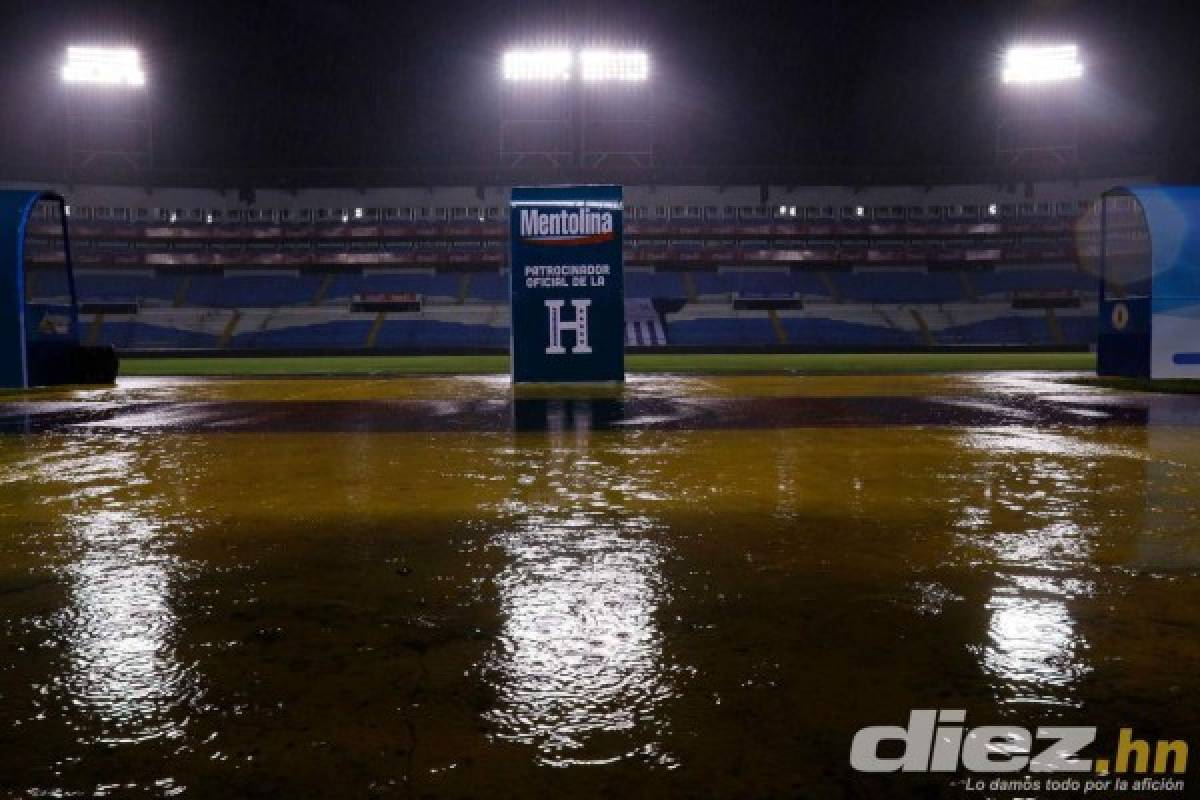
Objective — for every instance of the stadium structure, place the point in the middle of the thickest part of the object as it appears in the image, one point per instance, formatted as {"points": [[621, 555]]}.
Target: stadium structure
{"points": [[424, 269]]}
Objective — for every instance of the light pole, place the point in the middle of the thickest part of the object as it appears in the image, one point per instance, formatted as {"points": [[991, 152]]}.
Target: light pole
{"points": [[536, 117], [1038, 119], [107, 107], [585, 109]]}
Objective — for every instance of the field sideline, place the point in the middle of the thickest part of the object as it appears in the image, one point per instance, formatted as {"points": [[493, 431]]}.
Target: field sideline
{"points": [[810, 363]]}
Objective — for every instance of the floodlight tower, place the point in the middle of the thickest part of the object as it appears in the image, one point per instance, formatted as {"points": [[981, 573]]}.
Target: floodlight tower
{"points": [[107, 107], [616, 121], [583, 108], [1038, 119], [536, 114]]}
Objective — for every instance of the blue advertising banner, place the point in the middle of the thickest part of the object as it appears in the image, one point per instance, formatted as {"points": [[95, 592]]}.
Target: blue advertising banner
{"points": [[568, 308]]}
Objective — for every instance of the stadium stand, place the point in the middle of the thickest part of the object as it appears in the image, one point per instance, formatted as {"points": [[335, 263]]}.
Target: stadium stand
{"points": [[643, 325], [705, 267]]}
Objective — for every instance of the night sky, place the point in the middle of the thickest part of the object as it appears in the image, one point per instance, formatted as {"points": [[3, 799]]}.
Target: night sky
{"points": [[332, 83]]}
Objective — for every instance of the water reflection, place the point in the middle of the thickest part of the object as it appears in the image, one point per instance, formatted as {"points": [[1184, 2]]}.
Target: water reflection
{"points": [[119, 629], [1032, 648], [578, 669], [559, 415], [1026, 510], [119, 625], [580, 654]]}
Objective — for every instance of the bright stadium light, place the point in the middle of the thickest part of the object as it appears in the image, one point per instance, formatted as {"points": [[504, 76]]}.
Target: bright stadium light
{"points": [[104, 66], [631, 66], [1042, 64], [537, 65]]}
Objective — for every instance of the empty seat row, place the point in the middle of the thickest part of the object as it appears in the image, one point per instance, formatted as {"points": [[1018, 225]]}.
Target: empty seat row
{"points": [[280, 290], [177, 329]]}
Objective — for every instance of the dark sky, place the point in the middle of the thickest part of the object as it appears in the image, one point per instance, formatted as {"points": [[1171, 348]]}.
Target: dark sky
{"points": [[334, 83]]}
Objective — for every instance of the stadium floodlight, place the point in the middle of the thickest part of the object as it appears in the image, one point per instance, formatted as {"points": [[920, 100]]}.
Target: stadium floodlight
{"points": [[629, 66], [1042, 64], [548, 65], [104, 66]]}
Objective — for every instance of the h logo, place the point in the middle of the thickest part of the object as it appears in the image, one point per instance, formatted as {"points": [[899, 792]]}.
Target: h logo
{"points": [[557, 326]]}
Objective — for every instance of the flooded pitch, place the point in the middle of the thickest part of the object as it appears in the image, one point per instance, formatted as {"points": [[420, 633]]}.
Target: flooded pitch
{"points": [[691, 587]]}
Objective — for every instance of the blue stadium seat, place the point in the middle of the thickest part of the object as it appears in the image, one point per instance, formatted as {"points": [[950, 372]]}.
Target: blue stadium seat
{"points": [[417, 334], [882, 286], [339, 333], [818, 332], [721, 331], [93, 286], [488, 287], [714, 283], [49, 282], [440, 285], [251, 291], [757, 282], [1015, 329], [654, 284], [131, 335], [1034, 279], [1078, 329]]}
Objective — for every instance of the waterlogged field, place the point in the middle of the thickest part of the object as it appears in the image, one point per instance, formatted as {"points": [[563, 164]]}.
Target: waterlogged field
{"points": [[695, 586], [706, 363]]}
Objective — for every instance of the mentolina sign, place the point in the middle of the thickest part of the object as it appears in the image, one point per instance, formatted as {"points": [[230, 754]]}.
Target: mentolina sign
{"points": [[585, 225], [566, 281]]}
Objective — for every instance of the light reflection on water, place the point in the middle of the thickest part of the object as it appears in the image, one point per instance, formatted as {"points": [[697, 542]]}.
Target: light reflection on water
{"points": [[578, 667], [1033, 650], [1035, 484], [118, 627]]}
